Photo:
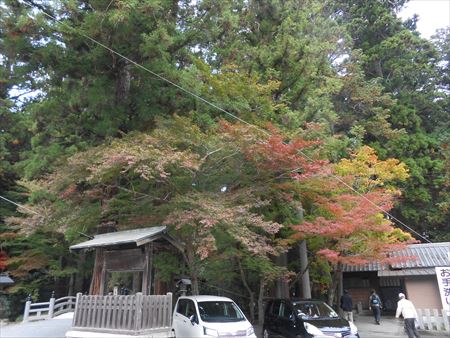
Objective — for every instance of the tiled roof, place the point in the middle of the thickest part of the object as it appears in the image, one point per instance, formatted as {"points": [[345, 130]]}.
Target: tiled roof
{"points": [[407, 272], [138, 236], [372, 266], [429, 255], [425, 257]]}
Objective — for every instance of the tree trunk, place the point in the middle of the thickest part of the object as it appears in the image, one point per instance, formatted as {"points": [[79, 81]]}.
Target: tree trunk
{"points": [[340, 285], [303, 254], [262, 286], [332, 290], [123, 82], [336, 285], [190, 257], [306, 284], [282, 286], [249, 290]]}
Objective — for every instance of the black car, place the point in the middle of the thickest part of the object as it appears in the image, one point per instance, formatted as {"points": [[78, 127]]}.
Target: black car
{"points": [[305, 318]]}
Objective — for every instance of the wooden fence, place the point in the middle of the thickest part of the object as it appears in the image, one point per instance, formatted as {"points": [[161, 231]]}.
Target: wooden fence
{"points": [[434, 320], [50, 309], [134, 314]]}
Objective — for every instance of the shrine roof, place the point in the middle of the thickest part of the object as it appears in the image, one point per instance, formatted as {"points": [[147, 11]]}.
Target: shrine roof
{"points": [[138, 236]]}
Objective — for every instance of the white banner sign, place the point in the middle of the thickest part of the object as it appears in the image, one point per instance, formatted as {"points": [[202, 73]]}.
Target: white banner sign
{"points": [[443, 277]]}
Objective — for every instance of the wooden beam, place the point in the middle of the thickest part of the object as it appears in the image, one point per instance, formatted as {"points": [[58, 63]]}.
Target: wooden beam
{"points": [[177, 244], [124, 260]]}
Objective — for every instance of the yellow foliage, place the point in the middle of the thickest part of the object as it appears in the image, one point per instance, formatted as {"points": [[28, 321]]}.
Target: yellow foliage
{"points": [[369, 172]]}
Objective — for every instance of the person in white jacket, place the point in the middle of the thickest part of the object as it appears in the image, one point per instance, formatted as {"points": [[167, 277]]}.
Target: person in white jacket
{"points": [[408, 311]]}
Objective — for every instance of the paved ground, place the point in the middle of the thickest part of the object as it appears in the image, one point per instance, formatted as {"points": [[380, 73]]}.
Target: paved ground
{"points": [[389, 328], [57, 327], [51, 328]]}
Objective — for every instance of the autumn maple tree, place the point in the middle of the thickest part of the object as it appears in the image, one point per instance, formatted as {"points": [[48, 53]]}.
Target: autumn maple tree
{"points": [[349, 215], [90, 143]]}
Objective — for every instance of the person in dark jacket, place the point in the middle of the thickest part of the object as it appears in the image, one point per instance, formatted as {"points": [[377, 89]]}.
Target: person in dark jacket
{"points": [[347, 306], [375, 306]]}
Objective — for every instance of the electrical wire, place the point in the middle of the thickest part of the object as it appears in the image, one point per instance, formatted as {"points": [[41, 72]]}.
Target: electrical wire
{"points": [[20, 205], [222, 110]]}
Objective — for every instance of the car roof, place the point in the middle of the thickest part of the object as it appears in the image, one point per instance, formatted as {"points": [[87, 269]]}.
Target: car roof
{"points": [[298, 299], [207, 298]]}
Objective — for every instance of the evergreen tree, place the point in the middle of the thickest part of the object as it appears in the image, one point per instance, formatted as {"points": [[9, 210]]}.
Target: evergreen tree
{"points": [[409, 69]]}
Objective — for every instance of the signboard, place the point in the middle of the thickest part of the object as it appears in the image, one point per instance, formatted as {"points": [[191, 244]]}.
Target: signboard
{"points": [[443, 277]]}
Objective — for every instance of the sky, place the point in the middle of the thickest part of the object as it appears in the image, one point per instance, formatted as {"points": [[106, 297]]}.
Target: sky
{"points": [[433, 14]]}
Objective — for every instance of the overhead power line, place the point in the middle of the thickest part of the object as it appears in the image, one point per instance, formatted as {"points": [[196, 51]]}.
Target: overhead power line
{"points": [[162, 78], [19, 205]]}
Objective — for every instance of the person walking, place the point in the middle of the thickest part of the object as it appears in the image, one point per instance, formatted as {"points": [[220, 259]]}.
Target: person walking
{"points": [[408, 311], [375, 306], [347, 306]]}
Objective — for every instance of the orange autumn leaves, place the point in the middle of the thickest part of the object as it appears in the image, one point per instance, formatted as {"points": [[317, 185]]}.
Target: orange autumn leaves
{"points": [[353, 224]]}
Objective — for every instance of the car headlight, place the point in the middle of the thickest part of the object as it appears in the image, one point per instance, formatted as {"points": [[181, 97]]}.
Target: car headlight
{"points": [[353, 328], [250, 331], [210, 332]]}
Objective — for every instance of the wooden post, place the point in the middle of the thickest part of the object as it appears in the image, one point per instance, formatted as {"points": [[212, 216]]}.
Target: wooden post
{"points": [[77, 312], [150, 269], [169, 309], [148, 266], [103, 277], [139, 313], [96, 275], [135, 283]]}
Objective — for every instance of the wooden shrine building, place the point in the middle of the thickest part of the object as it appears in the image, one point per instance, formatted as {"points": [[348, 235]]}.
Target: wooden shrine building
{"points": [[126, 251]]}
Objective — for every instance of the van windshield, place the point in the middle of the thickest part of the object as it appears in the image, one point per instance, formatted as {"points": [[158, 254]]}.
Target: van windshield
{"points": [[220, 312]]}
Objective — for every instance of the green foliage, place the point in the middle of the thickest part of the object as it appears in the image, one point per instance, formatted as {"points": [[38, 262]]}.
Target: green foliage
{"points": [[103, 143], [412, 71], [168, 265]]}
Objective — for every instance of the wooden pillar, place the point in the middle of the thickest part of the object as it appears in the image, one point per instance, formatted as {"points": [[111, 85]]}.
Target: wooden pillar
{"points": [[80, 275], [135, 283], [148, 267], [103, 277], [97, 273]]}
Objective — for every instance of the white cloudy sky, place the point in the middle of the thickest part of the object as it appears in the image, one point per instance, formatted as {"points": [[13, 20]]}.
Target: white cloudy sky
{"points": [[433, 14]]}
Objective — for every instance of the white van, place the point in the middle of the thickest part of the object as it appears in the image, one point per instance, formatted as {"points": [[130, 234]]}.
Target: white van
{"points": [[209, 316]]}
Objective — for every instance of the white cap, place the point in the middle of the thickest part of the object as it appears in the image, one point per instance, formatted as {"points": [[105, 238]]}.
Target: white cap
{"points": [[401, 295]]}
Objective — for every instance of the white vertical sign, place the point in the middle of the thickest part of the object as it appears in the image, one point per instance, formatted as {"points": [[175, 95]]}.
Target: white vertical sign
{"points": [[443, 277]]}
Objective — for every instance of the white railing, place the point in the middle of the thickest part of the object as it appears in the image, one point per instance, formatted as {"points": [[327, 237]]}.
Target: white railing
{"points": [[434, 320], [50, 309]]}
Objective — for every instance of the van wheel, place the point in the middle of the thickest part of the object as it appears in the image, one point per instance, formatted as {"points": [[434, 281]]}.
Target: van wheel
{"points": [[266, 334]]}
